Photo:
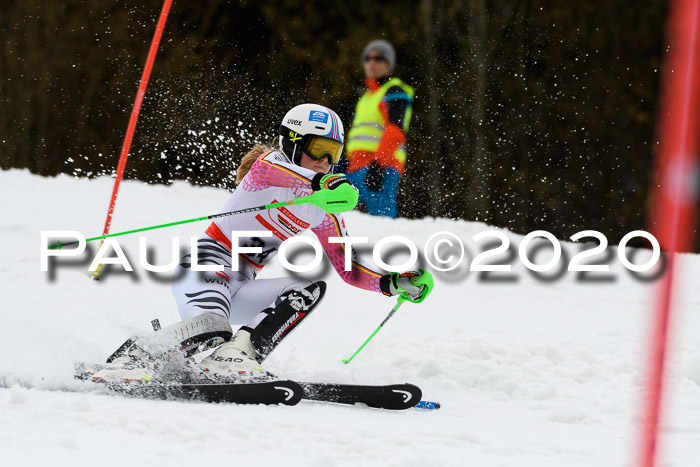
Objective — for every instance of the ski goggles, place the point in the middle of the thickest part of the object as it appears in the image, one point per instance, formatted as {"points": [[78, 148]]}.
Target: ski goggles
{"points": [[376, 58], [319, 147]]}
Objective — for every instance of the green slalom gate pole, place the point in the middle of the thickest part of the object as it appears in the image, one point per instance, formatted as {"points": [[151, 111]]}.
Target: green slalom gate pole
{"points": [[339, 200], [399, 302]]}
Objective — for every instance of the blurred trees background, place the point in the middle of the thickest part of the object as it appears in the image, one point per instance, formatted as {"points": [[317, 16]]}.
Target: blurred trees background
{"points": [[528, 114]]}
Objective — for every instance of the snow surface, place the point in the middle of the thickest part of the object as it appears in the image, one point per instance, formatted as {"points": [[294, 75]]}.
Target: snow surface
{"points": [[529, 372]]}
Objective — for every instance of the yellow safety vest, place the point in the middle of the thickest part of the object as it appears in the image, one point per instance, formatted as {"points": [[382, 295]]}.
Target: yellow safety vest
{"points": [[368, 124]]}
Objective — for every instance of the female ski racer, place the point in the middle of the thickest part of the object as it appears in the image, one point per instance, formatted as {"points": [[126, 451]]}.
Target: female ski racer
{"points": [[310, 144]]}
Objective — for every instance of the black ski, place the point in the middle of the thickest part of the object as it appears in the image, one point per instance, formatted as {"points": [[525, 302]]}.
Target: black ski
{"points": [[267, 393], [392, 397]]}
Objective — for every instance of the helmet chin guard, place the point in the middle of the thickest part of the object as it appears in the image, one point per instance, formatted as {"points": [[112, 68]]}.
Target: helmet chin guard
{"points": [[302, 123]]}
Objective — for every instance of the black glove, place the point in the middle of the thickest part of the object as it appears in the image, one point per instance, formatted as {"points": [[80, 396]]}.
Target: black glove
{"points": [[374, 179]]}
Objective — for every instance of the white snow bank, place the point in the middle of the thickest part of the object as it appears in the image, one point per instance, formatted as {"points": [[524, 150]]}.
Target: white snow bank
{"points": [[529, 372]]}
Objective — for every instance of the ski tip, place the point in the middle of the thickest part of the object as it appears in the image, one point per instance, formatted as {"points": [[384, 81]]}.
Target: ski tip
{"points": [[428, 405]]}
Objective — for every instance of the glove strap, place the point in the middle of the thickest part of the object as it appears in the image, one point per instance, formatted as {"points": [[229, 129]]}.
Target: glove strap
{"points": [[385, 285]]}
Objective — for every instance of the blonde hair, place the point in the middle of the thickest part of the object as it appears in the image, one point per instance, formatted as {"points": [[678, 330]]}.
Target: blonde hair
{"points": [[252, 156]]}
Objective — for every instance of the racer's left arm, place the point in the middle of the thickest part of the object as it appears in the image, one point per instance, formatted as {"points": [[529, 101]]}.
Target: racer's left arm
{"points": [[360, 275], [414, 286]]}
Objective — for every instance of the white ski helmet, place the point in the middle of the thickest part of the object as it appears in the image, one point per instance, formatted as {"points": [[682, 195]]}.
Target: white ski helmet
{"points": [[314, 129]]}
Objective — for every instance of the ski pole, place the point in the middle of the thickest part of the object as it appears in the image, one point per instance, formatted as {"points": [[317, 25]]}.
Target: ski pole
{"points": [[399, 302], [338, 200]]}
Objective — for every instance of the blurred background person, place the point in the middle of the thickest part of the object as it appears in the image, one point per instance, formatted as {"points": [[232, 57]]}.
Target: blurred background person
{"points": [[376, 141]]}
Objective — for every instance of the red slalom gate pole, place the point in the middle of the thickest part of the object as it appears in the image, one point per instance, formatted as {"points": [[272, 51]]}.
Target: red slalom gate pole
{"points": [[674, 192], [135, 116]]}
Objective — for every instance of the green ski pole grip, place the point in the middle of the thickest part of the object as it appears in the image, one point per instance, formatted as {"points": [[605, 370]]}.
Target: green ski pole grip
{"points": [[342, 199]]}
